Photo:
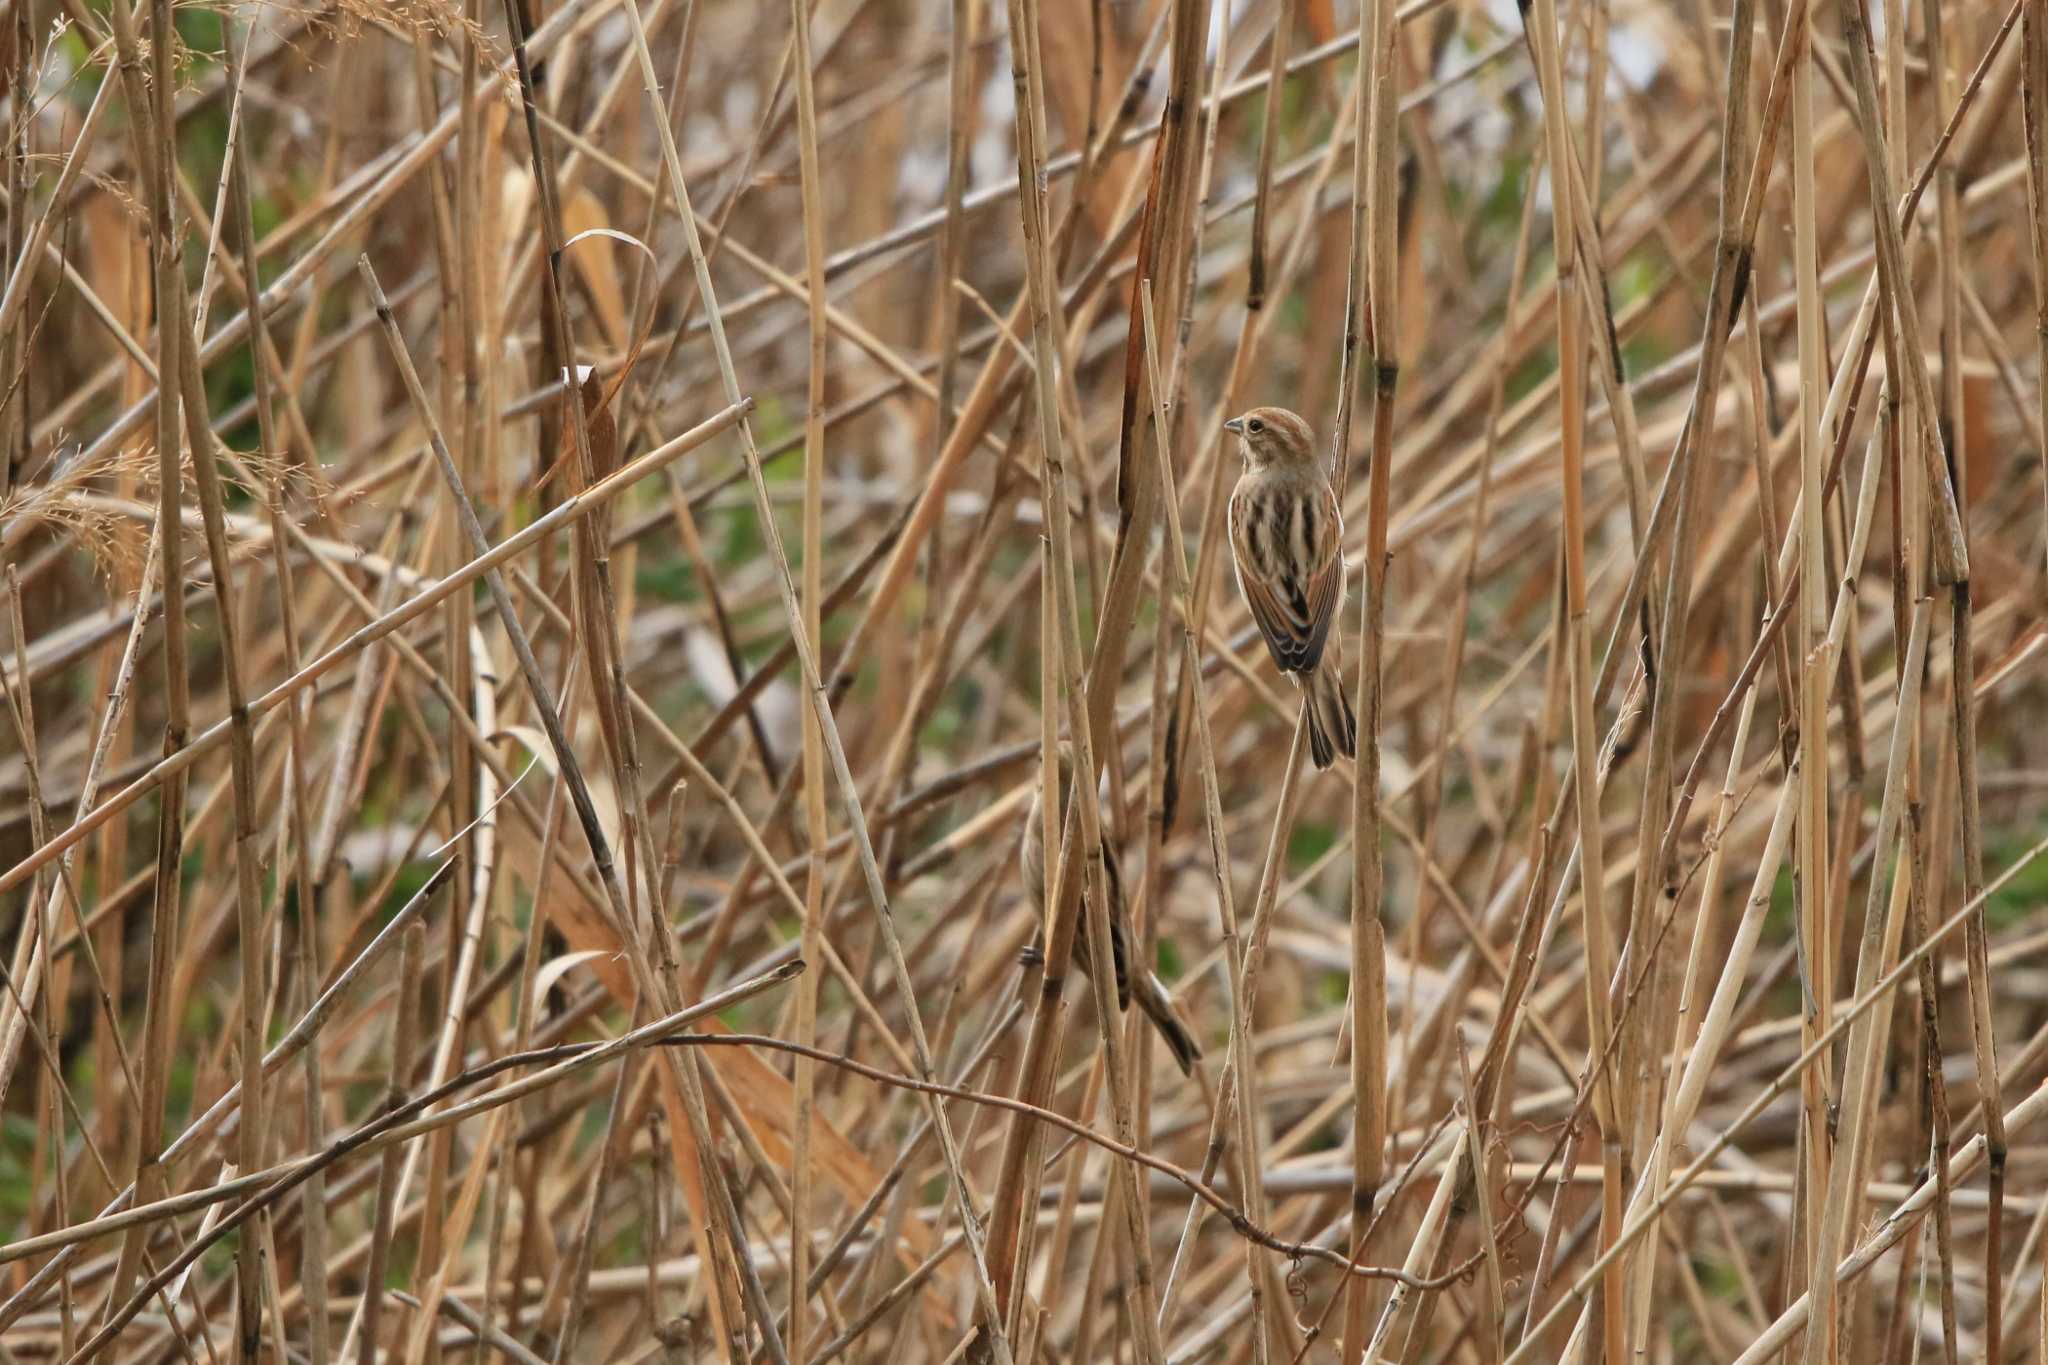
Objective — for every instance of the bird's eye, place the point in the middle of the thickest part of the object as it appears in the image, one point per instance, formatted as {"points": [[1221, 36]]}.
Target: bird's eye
{"points": [[1256, 425]]}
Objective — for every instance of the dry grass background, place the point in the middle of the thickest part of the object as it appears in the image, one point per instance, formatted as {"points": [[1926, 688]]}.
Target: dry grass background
{"points": [[481, 873]]}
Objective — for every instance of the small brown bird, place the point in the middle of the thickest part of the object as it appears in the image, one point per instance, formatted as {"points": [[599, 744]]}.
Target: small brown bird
{"points": [[1150, 991], [1286, 534]]}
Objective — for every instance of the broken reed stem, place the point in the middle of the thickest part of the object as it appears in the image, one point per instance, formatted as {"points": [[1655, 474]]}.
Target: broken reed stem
{"points": [[1269, 140]]}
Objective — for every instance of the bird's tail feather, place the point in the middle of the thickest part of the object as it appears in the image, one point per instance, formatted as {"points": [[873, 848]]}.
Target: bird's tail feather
{"points": [[1332, 728], [1152, 997]]}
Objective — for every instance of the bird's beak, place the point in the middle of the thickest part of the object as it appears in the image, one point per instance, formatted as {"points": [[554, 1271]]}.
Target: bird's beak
{"points": [[1235, 424]]}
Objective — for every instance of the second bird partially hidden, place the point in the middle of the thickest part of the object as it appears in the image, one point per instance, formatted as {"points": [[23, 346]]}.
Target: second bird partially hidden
{"points": [[1133, 980]]}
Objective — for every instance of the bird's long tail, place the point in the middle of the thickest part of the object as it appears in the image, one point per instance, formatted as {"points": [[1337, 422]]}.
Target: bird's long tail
{"points": [[1331, 725], [1150, 993]]}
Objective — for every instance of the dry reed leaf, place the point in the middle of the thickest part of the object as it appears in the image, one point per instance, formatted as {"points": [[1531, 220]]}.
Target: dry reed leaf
{"points": [[603, 433], [600, 423], [555, 968], [584, 213]]}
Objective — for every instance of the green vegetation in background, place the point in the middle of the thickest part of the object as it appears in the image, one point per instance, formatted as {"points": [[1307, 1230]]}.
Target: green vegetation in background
{"points": [[738, 540], [219, 1258], [1501, 208], [1310, 840], [17, 1184], [1779, 919], [411, 878], [1540, 365], [948, 720], [229, 381], [2023, 896], [665, 580], [1636, 278]]}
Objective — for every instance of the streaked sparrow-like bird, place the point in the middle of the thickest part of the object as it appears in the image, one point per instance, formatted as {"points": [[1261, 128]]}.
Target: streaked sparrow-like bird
{"points": [[1286, 534], [1149, 991]]}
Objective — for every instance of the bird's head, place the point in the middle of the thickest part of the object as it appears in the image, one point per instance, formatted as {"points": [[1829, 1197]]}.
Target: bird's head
{"points": [[1274, 437], [1065, 749]]}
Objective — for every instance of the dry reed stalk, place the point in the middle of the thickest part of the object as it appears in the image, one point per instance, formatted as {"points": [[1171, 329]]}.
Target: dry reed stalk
{"points": [[469, 788], [54, 1093], [1205, 752], [312, 1209], [1166, 202], [1084, 834], [1655, 876], [1238, 1085], [153, 155], [404, 1027], [1371, 316], [1867, 1041], [623, 922], [1816, 943], [813, 739], [1544, 37], [2034, 120]]}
